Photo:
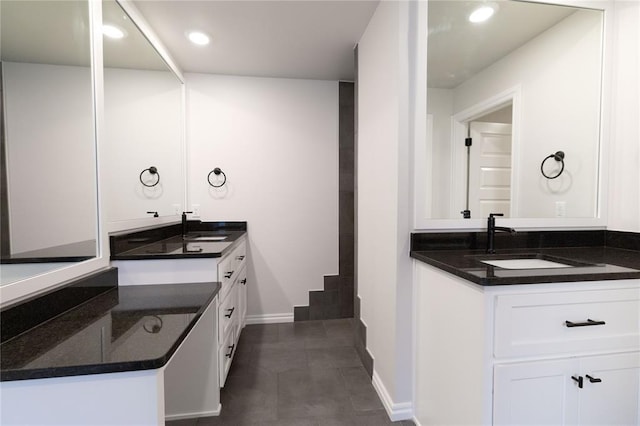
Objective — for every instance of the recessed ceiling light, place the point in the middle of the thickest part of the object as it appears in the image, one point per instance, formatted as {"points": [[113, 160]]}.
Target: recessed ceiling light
{"points": [[198, 38], [481, 14], [112, 31]]}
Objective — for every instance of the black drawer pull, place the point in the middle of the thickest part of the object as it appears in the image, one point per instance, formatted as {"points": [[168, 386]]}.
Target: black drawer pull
{"points": [[228, 274], [230, 354], [230, 312], [244, 281], [240, 258], [583, 324], [578, 380], [593, 379]]}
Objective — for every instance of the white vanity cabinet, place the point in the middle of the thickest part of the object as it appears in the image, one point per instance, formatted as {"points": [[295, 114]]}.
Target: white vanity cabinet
{"points": [[544, 354], [230, 271], [232, 313], [549, 393]]}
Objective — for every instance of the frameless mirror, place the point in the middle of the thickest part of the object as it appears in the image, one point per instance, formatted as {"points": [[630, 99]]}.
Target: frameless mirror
{"points": [[518, 88], [48, 198], [143, 124]]}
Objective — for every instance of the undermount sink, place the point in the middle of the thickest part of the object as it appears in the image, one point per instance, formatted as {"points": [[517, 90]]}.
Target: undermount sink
{"points": [[206, 238], [525, 264], [528, 261]]}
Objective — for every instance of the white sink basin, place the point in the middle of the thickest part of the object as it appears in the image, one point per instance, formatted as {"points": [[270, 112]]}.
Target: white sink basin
{"points": [[207, 238], [525, 264]]}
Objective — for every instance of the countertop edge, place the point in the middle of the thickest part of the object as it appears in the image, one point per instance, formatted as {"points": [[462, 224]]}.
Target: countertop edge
{"points": [[538, 279], [194, 255]]}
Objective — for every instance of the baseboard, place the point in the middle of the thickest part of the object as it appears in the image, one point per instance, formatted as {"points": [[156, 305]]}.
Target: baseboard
{"points": [[269, 318], [396, 410], [184, 416]]}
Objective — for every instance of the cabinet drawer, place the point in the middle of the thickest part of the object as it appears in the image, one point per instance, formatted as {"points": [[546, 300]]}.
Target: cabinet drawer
{"points": [[226, 275], [566, 322], [225, 354], [228, 313], [229, 267], [240, 255], [241, 285]]}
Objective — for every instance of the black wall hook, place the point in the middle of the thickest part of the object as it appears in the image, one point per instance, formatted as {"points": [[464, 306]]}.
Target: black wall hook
{"points": [[558, 156], [152, 171], [217, 171]]}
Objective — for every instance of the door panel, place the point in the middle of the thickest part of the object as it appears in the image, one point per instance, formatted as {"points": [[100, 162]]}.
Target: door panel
{"points": [[490, 169], [534, 393], [614, 399]]}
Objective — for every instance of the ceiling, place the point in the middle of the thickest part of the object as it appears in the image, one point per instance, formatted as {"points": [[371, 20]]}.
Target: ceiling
{"points": [[46, 32], [133, 51], [289, 39], [458, 49], [310, 39]]}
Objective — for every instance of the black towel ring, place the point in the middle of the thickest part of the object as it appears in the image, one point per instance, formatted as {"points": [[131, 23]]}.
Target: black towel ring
{"points": [[153, 171], [153, 325], [558, 156], [217, 171]]}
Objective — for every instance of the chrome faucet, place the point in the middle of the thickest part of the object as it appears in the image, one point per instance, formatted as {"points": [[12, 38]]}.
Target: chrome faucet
{"points": [[492, 229]]}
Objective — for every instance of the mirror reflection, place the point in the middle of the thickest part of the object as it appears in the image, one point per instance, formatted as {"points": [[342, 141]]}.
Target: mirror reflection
{"points": [[504, 94], [143, 146], [48, 199]]}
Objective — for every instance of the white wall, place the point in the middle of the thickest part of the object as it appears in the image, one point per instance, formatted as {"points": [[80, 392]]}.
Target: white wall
{"points": [[277, 142], [143, 128], [440, 106], [624, 146], [51, 155], [559, 75], [385, 82]]}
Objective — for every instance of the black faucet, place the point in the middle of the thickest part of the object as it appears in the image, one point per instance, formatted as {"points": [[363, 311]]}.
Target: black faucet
{"points": [[184, 224], [492, 229]]}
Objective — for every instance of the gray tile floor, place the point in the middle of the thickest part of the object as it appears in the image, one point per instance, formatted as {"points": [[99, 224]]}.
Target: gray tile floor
{"points": [[297, 374]]}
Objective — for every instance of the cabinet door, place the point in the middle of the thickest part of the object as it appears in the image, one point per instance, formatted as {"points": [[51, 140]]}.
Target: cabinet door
{"points": [[610, 396], [535, 393]]}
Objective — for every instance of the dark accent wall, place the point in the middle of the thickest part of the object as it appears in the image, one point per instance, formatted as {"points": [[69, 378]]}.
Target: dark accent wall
{"points": [[336, 300], [5, 247], [346, 188]]}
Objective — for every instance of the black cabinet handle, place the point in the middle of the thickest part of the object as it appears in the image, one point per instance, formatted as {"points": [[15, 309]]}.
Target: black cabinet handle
{"points": [[244, 281], [228, 274], [230, 312], [230, 354], [579, 380], [240, 258], [593, 379], [583, 324]]}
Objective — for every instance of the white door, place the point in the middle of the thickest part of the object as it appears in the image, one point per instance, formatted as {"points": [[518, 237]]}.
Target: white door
{"points": [[535, 393], [611, 392], [490, 169]]}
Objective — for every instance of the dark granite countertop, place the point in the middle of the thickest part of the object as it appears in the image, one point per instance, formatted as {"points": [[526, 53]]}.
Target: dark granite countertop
{"points": [[73, 252], [592, 256], [167, 242], [122, 329]]}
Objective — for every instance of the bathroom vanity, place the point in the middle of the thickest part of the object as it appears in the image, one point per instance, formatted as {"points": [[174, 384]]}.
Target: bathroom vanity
{"points": [[94, 352], [148, 341], [209, 251], [527, 344]]}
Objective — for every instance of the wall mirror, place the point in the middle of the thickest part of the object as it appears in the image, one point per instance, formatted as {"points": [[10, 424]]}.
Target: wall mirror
{"points": [[49, 196], [522, 85], [143, 148]]}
